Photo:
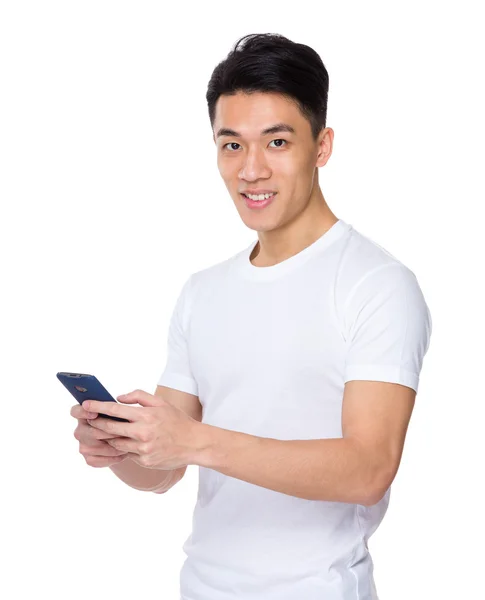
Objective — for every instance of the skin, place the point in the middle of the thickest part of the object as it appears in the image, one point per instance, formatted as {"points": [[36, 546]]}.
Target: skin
{"points": [[299, 214], [93, 443], [357, 468], [159, 435]]}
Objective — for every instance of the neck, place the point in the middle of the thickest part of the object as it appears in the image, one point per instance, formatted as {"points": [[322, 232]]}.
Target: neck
{"points": [[280, 244]]}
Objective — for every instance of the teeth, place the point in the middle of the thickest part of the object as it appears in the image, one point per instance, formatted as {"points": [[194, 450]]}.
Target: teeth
{"points": [[259, 196]]}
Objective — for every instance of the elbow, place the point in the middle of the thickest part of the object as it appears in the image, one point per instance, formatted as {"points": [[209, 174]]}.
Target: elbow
{"points": [[377, 489], [371, 499]]}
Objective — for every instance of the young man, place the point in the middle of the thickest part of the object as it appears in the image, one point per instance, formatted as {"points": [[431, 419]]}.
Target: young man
{"points": [[292, 367]]}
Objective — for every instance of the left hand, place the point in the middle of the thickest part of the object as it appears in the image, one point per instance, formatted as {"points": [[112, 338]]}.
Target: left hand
{"points": [[159, 435]]}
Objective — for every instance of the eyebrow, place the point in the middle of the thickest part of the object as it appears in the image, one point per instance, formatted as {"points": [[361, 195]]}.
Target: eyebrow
{"points": [[273, 129]]}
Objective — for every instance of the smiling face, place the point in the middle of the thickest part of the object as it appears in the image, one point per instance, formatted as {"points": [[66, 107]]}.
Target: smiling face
{"points": [[283, 159]]}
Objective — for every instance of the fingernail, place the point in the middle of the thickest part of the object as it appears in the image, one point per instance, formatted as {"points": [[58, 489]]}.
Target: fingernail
{"points": [[91, 415]]}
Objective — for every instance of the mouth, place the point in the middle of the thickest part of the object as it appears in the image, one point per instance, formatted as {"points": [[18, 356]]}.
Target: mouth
{"points": [[258, 204]]}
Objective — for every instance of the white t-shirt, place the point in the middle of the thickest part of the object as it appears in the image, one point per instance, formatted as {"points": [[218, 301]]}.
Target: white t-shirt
{"points": [[268, 350]]}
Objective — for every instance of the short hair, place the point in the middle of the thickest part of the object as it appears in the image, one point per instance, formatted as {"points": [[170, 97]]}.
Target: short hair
{"points": [[267, 62]]}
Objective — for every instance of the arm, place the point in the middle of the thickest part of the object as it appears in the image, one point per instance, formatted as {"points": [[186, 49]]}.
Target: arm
{"points": [[156, 480], [357, 468]]}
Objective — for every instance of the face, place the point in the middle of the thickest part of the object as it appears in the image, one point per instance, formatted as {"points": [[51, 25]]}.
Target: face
{"points": [[280, 161]]}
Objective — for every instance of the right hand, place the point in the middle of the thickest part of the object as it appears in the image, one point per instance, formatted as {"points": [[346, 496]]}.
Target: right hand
{"points": [[96, 451]]}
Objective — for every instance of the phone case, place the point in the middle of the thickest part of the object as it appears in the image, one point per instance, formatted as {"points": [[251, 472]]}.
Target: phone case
{"points": [[87, 387]]}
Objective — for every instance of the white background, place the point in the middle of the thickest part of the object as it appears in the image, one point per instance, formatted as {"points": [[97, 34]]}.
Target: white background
{"points": [[111, 197]]}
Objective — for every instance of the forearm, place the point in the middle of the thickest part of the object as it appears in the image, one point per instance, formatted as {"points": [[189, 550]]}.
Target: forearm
{"points": [[336, 469], [144, 479]]}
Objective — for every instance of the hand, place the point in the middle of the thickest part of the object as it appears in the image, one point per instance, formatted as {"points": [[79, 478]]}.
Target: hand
{"points": [[93, 442], [159, 435]]}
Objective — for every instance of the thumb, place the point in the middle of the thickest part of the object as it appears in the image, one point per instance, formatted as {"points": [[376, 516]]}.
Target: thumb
{"points": [[140, 397]]}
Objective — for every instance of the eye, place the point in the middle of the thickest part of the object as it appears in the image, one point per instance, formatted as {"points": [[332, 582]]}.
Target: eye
{"points": [[277, 140], [230, 143]]}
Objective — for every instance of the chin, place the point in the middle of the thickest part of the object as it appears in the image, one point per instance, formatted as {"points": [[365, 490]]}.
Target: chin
{"points": [[259, 227]]}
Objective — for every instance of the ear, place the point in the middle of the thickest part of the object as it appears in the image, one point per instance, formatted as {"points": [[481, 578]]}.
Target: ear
{"points": [[325, 146]]}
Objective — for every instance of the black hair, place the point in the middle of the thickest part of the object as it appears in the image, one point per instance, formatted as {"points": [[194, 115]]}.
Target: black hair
{"points": [[267, 62]]}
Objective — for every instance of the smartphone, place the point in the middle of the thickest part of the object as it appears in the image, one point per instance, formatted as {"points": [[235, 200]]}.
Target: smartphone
{"points": [[87, 387]]}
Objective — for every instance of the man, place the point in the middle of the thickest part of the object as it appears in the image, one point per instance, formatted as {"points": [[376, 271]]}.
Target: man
{"points": [[292, 367]]}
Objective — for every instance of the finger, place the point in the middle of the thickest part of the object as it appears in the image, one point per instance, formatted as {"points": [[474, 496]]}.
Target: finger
{"points": [[115, 427], [99, 434], [99, 449], [114, 409], [127, 399], [135, 458], [141, 397], [125, 445], [104, 461], [87, 433], [78, 412]]}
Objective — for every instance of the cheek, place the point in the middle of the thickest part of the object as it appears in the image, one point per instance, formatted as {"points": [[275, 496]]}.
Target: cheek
{"points": [[227, 169], [299, 173], [289, 167]]}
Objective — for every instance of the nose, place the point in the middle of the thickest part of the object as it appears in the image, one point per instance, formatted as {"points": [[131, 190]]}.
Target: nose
{"points": [[255, 166]]}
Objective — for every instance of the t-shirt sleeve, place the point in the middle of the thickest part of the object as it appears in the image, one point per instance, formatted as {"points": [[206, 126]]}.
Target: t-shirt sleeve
{"points": [[388, 327], [177, 373]]}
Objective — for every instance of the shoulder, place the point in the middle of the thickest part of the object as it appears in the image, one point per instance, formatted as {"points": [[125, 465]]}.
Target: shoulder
{"points": [[369, 278], [366, 264], [208, 280]]}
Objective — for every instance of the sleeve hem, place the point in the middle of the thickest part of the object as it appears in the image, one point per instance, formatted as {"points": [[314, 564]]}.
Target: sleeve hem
{"points": [[384, 373], [179, 382]]}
